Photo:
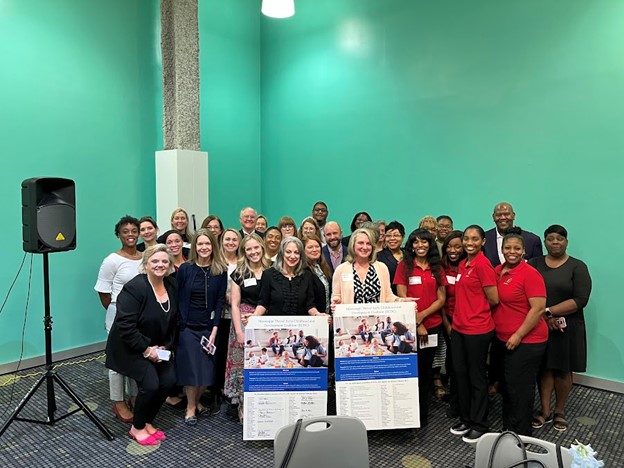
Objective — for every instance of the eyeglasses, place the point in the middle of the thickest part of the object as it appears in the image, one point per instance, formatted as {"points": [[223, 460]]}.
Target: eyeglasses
{"points": [[320, 210], [248, 217], [288, 226], [445, 226]]}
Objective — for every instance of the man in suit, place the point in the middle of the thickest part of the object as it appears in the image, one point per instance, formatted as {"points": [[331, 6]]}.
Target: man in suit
{"points": [[504, 217], [248, 218], [335, 253]]}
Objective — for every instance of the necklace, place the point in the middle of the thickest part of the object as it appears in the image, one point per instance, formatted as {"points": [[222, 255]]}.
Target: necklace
{"points": [[158, 300], [205, 271]]}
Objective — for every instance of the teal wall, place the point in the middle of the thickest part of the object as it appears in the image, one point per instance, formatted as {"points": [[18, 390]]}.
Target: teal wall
{"points": [[401, 107], [229, 34], [80, 97], [405, 108]]}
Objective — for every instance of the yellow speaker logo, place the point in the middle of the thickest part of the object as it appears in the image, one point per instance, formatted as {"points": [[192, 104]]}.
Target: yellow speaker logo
{"points": [[60, 237]]}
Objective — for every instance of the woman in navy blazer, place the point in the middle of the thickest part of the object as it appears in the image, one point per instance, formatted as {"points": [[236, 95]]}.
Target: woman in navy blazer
{"points": [[202, 283]]}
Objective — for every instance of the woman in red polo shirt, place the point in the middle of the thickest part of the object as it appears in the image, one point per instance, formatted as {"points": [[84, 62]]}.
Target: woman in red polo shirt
{"points": [[521, 331], [473, 330], [452, 254], [420, 275]]}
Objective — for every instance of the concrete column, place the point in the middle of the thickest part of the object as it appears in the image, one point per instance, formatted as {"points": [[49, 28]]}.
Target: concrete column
{"points": [[180, 62], [181, 169]]}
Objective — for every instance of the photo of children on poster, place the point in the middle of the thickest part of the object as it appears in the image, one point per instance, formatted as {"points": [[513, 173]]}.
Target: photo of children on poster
{"points": [[376, 364], [286, 367]]}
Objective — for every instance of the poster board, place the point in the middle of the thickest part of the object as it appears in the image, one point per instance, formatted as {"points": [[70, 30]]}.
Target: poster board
{"points": [[377, 364], [284, 379]]}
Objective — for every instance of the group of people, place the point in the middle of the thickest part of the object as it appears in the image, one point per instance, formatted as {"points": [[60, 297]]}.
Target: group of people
{"points": [[191, 294]]}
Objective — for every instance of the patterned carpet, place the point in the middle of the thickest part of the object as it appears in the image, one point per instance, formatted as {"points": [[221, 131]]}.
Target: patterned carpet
{"points": [[595, 417]]}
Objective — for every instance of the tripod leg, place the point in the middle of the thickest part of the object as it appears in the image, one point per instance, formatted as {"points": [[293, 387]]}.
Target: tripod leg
{"points": [[50, 396], [22, 403], [84, 407]]}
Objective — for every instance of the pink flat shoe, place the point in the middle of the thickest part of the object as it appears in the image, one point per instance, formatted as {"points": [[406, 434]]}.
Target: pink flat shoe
{"points": [[149, 440], [159, 435]]}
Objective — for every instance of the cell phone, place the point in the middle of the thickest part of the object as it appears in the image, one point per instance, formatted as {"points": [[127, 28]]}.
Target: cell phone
{"points": [[163, 354], [208, 346], [561, 321]]}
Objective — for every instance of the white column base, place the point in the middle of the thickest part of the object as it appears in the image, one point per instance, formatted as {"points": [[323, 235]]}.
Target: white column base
{"points": [[181, 181]]}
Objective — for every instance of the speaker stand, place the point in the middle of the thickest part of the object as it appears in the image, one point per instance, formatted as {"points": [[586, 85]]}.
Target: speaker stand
{"points": [[50, 376]]}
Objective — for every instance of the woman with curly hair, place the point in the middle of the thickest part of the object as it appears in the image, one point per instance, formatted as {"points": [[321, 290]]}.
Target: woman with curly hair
{"points": [[420, 275], [116, 270]]}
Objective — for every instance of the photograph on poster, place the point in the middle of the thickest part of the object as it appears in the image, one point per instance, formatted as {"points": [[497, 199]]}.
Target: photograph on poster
{"points": [[372, 335], [284, 348]]}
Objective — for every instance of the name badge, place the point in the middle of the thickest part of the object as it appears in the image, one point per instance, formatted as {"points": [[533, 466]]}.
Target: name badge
{"points": [[415, 280], [347, 277], [250, 282], [451, 279], [457, 278]]}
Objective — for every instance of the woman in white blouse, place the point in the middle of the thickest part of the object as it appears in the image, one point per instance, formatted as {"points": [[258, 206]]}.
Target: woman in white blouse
{"points": [[116, 270]]}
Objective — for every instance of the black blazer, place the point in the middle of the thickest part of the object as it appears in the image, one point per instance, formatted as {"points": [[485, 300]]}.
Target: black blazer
{"points": [[325, 251], [532, 246], [140, 322], [242, 233]]}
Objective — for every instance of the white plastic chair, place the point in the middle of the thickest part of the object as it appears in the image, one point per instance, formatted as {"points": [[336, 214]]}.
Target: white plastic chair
{"points": [[327, 441], [508, 453]]}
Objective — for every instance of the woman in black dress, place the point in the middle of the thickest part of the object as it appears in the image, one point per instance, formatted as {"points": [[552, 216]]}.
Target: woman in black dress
{"points": [[568, 286], [317, 264], [287, 287], [145, 325], [202, 283]]}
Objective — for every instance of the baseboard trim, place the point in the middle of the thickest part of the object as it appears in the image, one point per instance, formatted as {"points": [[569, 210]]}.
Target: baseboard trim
{"points": [[598, 383], [11, 367]]}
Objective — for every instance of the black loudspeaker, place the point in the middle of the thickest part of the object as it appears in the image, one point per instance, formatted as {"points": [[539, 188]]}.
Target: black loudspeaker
{"points": [[48, 214]]}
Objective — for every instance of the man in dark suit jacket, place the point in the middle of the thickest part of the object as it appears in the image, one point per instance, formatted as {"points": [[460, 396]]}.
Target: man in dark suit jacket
{"points": [[504, 217], [248, 218], [335, 253]]}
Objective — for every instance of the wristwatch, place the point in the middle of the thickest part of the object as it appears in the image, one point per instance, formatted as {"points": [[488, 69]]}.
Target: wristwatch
{"points": [[548, 313]]}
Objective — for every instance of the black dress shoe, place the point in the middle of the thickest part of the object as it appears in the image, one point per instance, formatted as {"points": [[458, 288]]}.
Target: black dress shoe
{"points": [[473, 436], [215, 405], [460, 429]]}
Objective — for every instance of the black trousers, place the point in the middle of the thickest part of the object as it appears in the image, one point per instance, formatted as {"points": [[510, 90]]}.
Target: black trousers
{"points": [[520, 368], [425, 375], [469, 362], [450, 372], [495, 368], [153, 390]]}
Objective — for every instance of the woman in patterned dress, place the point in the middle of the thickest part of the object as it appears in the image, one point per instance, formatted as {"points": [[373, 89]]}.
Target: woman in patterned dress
{"points": [[245, 292]]}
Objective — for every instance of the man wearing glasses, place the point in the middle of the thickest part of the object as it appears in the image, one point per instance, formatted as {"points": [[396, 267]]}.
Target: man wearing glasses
{"points": [[445, 226], [319, 213], [248, 218]]}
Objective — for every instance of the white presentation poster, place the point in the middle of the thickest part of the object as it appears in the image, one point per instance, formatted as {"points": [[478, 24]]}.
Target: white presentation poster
{"points": [[377, 364], [285, 372]]}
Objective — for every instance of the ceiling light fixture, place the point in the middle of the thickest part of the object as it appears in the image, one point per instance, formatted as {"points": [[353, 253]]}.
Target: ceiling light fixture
{"points": [[278, 8]]}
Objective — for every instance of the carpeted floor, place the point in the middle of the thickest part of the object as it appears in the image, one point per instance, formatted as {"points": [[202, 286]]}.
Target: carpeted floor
{"points": [[595, 417]]}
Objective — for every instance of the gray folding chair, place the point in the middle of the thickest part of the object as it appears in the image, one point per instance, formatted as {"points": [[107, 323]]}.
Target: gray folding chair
{"points": [[327, 441], [509, 453]]}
